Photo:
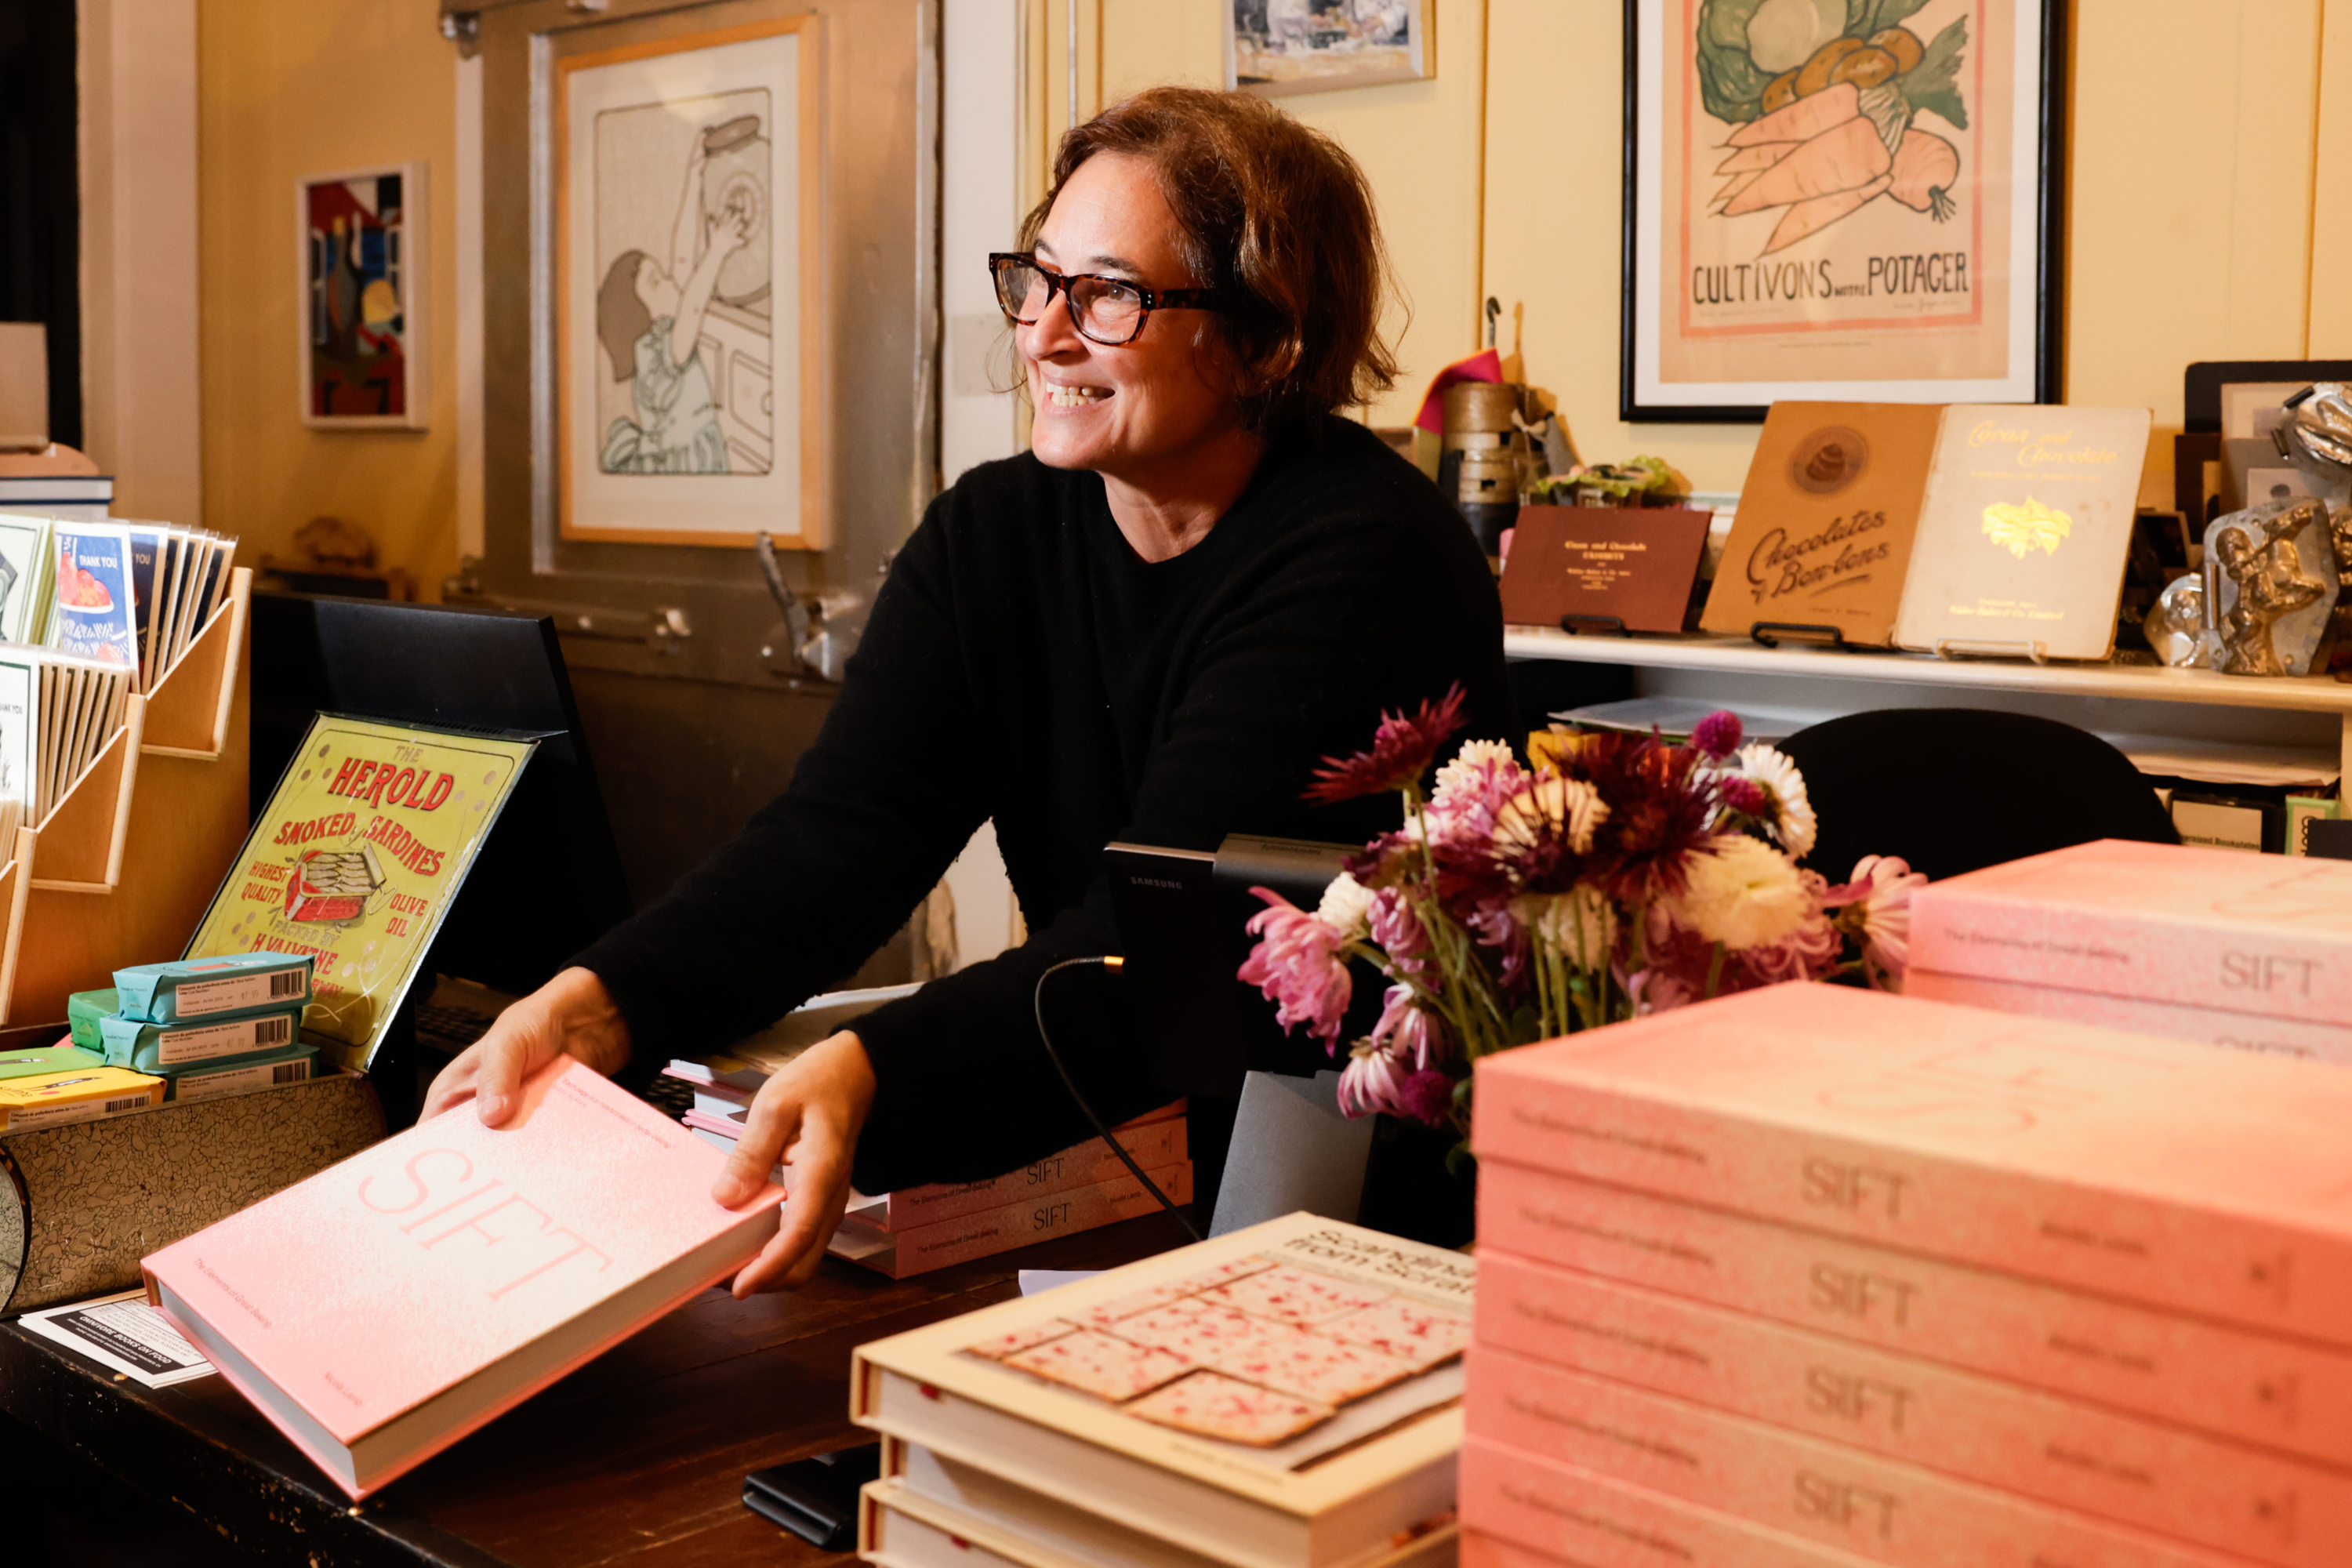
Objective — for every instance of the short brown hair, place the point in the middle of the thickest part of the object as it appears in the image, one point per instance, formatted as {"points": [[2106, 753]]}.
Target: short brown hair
{"points": [[621, 314], [1277, 217]]}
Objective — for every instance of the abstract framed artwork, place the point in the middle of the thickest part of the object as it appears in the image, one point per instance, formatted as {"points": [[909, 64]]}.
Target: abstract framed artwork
{"points": [[1840, 200], [361, 257], [1274, 47], [687, 241]]}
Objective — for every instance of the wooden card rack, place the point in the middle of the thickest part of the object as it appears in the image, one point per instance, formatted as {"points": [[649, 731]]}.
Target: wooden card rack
{"points": [[122, 867]]}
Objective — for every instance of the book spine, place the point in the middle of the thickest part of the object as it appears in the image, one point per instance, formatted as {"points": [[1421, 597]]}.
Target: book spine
{"points": [[2279, 1393], [1153, 1145], [1872, 1507], [2077, 1230], [2139, 1472], [960, 1240], [1521, 1511], [2207, 1026], [2216, 956]]}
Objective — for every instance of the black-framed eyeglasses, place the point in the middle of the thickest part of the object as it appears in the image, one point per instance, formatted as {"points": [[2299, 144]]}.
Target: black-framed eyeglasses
{"points": [[1106, 311]]}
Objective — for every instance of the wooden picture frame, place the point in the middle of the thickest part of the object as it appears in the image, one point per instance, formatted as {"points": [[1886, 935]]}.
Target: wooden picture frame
{"points": [[1323, 50], [361, 255], [1895, 235], [723, 439]]}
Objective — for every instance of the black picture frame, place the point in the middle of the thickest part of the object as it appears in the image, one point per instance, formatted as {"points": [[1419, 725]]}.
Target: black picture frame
{"points": [[2048, 208]]}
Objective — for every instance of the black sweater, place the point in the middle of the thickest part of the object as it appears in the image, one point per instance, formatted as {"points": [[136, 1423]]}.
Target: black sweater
{"points": [[1023, 663]]}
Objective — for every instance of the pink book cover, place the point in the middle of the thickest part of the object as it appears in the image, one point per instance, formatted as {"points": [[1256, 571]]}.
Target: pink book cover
{"points": [[1873, 1507], [2165, 1478], [905, 1253], [415, 1265], [2218, 1182], [1519, 1510], [2209, 1025], [2284, 1393], [2160, 922]]}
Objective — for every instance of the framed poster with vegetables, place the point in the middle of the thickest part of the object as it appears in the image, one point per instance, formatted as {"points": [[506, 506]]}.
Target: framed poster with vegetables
{"points": [[1840, 200]]}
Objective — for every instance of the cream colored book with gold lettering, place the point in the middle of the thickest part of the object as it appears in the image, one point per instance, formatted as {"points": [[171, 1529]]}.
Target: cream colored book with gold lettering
{"points": [[2023, 531]]}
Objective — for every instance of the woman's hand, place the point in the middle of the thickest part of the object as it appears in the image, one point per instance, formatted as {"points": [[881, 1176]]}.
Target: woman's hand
{"points": [[809, 1112], [571, 1014]]}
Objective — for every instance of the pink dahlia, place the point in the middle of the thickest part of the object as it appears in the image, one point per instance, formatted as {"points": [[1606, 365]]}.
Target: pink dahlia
{"points": [[1297, 965], [1407, 1031], [1377, 1079], [1399, 933], [1403, 749], [1882, 885]]}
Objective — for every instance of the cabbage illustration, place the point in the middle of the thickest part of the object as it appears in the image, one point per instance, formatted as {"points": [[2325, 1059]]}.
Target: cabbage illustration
{"points": [[1745, 45]]}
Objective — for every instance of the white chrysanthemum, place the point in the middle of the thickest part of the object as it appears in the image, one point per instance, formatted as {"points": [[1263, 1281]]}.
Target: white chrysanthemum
{"points": [[1793, 822], [1743, 893], [1468, 768], [1569, 808], [1580, 925], [1347, 908]]}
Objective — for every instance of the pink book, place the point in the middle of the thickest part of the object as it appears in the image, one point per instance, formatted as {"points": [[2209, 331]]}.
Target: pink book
{"points": [[1519, 1510], [918, 1249], [1872, 1507], [391, 1304], [2167, 1478], [2210, 1026], [1151, 1146], [2283, 1393], [2161, 922], [2217, 1182]]}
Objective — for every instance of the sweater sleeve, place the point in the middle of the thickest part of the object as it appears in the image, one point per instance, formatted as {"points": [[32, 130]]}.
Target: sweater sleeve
{"points": [[1285, 675], [823, 875]]}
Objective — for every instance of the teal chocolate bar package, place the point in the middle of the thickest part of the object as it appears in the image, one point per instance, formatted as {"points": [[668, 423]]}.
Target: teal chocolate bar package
{"points": [[204, 1080], [83, 1010], [159, 1048], [212, 987], [62, 1057]]}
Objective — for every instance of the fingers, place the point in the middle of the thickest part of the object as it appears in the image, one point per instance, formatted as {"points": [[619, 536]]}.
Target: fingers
{"points": [[452, 1086], [773, 1122], [508, 1052], [820, 1194]]}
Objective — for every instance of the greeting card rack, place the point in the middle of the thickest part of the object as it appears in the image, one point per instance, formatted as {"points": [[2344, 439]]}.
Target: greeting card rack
{"points": [[122, 867]]}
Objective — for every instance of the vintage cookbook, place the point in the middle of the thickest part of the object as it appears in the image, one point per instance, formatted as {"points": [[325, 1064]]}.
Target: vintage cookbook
{"points": [[2262, 1388], [1284, 1397], [2023, 531], [1036, 1528], [2267, 934], [1633, 565], [386, 1306], [2137, 1015], [2164, 1477], [2159, 1171], [1040, 1216], [1871, 1506], [1522, 1512], [1824, 530]]}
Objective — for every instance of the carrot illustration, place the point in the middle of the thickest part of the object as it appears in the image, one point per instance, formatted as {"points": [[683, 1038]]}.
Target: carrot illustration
{"points": [[1843, 158], [1803, 119], [1748, 160], [1818, 213], [1926, 166], [1731, 188]]}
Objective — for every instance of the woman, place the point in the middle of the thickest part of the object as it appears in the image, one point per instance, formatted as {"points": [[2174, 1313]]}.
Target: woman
{"points": [[1151, 628]]}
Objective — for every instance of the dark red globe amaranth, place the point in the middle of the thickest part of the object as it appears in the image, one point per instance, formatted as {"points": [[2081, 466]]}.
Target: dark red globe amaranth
{"points": [[1402, 750]]}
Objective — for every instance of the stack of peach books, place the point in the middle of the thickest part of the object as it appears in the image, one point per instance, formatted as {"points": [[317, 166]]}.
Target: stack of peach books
{"points": [[2249, 952], [1284, 1397], [912, 1232], [1817, 1275]]}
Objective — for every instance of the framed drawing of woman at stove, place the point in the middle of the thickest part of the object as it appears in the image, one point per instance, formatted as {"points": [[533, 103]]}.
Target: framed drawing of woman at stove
{"points": [[687, 243], [1845, 200]]}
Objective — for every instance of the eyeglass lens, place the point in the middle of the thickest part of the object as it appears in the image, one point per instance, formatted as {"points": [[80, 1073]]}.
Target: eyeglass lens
{"points": [[1105, 310]]}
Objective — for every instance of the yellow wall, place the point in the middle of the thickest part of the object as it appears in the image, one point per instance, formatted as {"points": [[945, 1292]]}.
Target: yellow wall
{"points": [[2207, 219], [288, 88]]}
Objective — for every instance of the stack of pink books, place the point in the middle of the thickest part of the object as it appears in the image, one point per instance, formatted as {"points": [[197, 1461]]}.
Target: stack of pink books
{"points": [[2250, 951], [1819, 1275], [922, 1228]]}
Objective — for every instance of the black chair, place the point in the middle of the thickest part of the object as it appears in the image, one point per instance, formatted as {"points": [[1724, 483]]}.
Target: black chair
{"points": [[1954, 789]]}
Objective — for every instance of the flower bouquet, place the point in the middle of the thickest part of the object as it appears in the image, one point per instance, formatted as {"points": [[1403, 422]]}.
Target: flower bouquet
{"points": [[1623, 875]]}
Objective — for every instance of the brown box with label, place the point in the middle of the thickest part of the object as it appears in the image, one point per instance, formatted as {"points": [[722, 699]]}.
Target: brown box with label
{"points": [[1826, 520], [1635, 566]]}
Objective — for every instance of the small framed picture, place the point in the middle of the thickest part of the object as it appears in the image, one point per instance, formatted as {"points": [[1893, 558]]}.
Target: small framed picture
{"points": [[361, 260], [1280, 46]]}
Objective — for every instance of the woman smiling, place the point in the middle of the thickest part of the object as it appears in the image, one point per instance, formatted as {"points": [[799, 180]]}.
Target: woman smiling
{"points": [[1197, 583]]}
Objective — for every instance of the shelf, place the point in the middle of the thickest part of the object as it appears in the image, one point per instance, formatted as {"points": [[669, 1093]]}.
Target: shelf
{"points": [[2261, 722]]}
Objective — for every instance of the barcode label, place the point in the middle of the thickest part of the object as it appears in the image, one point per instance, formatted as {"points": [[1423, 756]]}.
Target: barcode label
{"points": [[233, 995], [240, 1080], [24, 1116], [130, 1102], [206, 1041], [290, 1072], [286, 984]]}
